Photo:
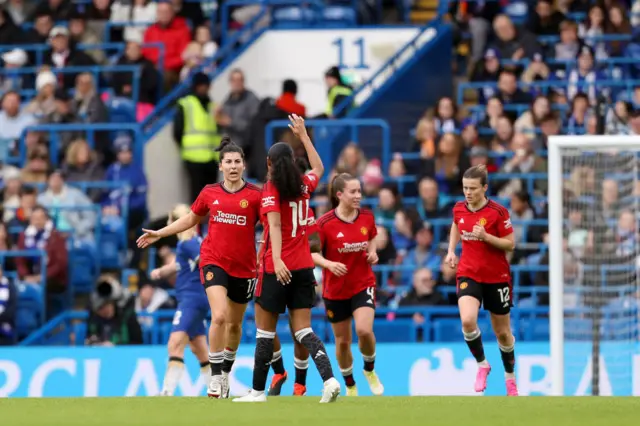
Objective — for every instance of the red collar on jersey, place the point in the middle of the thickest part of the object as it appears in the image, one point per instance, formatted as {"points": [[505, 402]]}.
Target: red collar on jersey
{"points": [[335, 213], [475, 211]]}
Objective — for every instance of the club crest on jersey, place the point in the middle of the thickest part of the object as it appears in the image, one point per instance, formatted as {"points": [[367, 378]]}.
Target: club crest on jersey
{"points": [[482, 221], [209, 276], [244, 204], [463, 285], [363, 231], [330, 314]]}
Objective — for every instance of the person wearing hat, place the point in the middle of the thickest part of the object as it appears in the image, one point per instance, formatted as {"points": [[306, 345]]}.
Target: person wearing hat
{"points": [[45, 102], [13, 60], [82, 34], [195, 130], [487, 70], [338, 92], [64, 54]]}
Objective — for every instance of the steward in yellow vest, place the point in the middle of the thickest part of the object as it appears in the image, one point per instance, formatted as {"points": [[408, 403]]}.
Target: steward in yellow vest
{"points": [[196, 132], [338, 92]]}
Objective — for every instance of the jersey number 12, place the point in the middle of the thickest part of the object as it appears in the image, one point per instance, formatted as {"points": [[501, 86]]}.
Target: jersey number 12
{"points": [[299, 215]]}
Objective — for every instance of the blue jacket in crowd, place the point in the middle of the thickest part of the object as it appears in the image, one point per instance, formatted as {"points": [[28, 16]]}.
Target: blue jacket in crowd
{"points": [[132, 174]]}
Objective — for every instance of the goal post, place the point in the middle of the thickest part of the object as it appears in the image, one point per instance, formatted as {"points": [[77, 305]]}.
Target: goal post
{"points": [[593, 264]]}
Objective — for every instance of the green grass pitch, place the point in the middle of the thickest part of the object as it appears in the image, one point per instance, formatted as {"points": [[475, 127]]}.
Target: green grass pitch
{"points": [[392, 411]]}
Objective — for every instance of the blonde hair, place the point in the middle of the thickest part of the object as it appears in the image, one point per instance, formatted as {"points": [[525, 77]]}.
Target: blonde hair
{"points": [[72, 152], [178, 212]]}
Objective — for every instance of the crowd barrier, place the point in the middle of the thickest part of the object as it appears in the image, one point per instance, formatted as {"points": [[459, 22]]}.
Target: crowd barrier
{"points": [[405, 369]]}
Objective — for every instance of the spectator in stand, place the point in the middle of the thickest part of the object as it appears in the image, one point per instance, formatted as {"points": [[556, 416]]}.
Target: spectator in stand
{"points": [[28, 202], [173, 33], [426, 137], [634, 122], [524, 160], [352, 160], [478, 16], [509, 93], [521, 211], [422, 293], [397, 169], [578, 114], [536, 71], [9, 32], [89, 108], [82, 34], [39, 34], [44, 103], [618, 25], [203, 38], [10, 197], [98, 14], [626, 236], [190, 11], [549, 126], [422, 256], [37, 167], [609, 204], [545, 20], [125, 170], [444, 117], [447, 278], [568, 47], [617, 119], [487, 70], [585, 78], [7, 171], [59, 10], [470, 135], [530, 120], [503, 136], [480, 155], [13, 122], [593, 28], [389, 202], [150, 299], [8, 308], [193, 57], [428, 205], [512, 43], [19, 10], [149, 79], [337, 93], [11, 79], [6, 244], [448, 165], [64, 54], [63, 114], [82, 165], [137, 12], [42, 235], [81, 222], [287, 101], [405, 226], [493, 112], [372, 179], [238, 110]]}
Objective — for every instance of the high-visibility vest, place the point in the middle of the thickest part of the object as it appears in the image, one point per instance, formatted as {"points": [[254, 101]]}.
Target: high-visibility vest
{"points": [[333, 92], [200, 137]]}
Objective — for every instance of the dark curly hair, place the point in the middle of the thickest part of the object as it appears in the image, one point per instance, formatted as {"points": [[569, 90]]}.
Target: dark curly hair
{"points": [[284, 173], [227, 146]]}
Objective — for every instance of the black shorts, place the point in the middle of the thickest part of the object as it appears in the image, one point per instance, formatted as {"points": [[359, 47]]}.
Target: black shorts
{"points": [[239, 290], [495, 297], [340, 310], [300, 293]]}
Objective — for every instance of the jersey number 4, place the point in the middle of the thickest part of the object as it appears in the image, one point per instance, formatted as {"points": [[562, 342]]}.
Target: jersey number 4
{"points": [[299, 215]]}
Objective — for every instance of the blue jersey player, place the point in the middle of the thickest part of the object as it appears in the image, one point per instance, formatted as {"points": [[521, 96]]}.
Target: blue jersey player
{"points": [[189, 322]]}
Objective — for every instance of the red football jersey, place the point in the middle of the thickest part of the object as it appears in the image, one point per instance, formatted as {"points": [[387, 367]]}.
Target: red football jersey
{"points": [[230, 242], [347, 243], [481, 261], [294, 225]]}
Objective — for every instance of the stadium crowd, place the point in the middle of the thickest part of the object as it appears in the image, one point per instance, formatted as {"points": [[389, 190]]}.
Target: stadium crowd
{"points": [[556, 71]]}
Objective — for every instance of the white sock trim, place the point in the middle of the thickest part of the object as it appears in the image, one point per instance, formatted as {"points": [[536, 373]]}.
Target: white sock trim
{"points": [[369, 358], [301, 364], [216, 357], [300, 334], [508, 348], [347, 371], [262, 334], [471, 335], [276, 355]]}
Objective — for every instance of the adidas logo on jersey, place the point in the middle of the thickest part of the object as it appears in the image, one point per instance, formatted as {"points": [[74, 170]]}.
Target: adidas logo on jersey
{"points": [[340, 235], [461, 220], [216, 202]]}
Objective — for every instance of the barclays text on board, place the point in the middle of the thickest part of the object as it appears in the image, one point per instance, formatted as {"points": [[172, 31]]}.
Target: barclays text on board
{"points": [[406, 369]]}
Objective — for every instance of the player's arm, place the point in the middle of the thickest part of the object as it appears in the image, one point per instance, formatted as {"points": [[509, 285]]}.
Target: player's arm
{"points": [[185, 222], [505, 243], [314, 243], [336, 268], [299, 129], [275, 235], [164, 271], [454, 238]]}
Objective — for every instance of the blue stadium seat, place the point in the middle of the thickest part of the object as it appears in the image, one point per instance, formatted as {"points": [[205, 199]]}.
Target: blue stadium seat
{"points": [[398, 330], [83, 267], [30, 311], [80, 332], [121, 110]]}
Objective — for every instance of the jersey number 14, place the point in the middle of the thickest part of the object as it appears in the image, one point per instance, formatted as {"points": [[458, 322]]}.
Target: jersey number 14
{"points": [[299, 215]]}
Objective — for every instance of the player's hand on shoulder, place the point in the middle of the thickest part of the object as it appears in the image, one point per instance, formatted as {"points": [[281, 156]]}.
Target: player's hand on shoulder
{"points": [[155, 274], [297, 126], [451, 259], [372, 258], [479, 232], [282, 272], [338, 269], [147, 238]]}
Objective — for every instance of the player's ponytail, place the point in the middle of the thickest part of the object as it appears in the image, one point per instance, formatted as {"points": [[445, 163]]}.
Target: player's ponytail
{"points": [[283, 171], [338, 184], [227, 146], [178, 212], [477, 172]]}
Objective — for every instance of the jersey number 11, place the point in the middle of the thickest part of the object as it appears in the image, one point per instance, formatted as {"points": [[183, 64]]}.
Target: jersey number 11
{"points": [[299, 215]]}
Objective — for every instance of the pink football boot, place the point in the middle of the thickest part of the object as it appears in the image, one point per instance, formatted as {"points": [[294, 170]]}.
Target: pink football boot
{"points": [[481, 378]]}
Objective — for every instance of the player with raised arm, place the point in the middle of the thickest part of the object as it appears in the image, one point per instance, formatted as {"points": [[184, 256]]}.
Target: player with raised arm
{"points": [[348, 286], [484, 275], [189, 319], [288, 281], [227, 258]]}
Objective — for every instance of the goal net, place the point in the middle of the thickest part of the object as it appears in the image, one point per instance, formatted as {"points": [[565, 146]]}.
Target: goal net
{"points": [[594, 267]]}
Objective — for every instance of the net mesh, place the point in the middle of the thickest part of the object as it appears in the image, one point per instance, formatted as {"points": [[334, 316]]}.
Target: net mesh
{"points": [[600, 269]]}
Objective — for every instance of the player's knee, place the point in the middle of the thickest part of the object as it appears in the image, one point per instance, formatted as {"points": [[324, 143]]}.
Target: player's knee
{"points": [[218, 319], [175, 347], [504, 336], [364, 333], [234, 328], [343, 343], [469, 323]]}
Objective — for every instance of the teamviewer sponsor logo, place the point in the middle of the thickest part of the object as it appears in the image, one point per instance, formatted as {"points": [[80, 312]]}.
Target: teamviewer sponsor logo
{"points": [[230, 219], [353, 247], [468, 236], [268, 201]]}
